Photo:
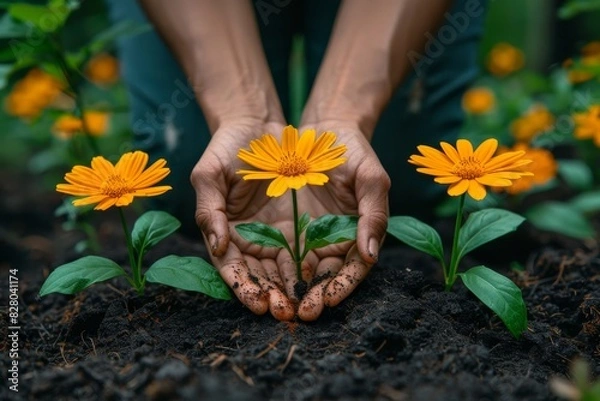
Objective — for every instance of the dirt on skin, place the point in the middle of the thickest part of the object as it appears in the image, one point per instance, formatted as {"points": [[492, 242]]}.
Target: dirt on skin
{"points": [[398, 337]]}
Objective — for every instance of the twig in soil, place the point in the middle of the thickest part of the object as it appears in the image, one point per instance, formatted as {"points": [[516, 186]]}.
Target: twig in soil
{"points": [[269, 347], [240, 373], [218, 360], [62, 353], [289, 358], [115, 289], [381, 346]]}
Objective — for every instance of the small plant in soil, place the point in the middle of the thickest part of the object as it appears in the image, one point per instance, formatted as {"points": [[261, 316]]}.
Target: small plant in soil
{"points": [[296, 162], [468, 172], [107, 185]]}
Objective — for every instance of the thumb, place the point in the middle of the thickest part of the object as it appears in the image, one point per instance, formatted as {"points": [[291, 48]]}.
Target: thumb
{"points": [[211, 215], [372, 187]]}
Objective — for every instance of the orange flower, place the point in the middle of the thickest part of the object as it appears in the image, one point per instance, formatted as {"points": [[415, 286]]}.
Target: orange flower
{"points": [[32, 94], [103, 69], [293, 164], [587, 124], [115, 185], [535, 121], [543, 166], [470, 171], [68, 125], [478, 100], [504, 59]]}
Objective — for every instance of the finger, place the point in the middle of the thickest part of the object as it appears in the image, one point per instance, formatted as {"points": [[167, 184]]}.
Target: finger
{"points": [[210, 208], [289, 273], [352, 273], [372, 188], [279, 305], [235, 272], [312, 304]]}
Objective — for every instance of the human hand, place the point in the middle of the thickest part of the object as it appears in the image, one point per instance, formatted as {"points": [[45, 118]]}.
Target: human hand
{"points": [[225, 200], [358, 187]]}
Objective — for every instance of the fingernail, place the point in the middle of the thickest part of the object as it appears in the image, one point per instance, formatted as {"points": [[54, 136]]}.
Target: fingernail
{"points": [[212, 242], [374, 249]]}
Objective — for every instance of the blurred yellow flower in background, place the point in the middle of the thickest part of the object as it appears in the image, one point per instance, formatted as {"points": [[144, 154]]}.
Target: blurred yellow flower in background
{"points": [[32, 94], [590, 58], [535, 121], [504, 59], [587, 124], [478, 100], [468, 170], [298, 161], [543, 166], [115, 185], [68, 125], [103, 69]]}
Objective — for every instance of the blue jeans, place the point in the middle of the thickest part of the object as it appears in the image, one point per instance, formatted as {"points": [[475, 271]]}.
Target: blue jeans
{"points": [[425, 109]]}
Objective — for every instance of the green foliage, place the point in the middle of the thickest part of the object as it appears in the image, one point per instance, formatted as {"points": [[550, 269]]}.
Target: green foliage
{"points": [[500, 295], [188, 273], [484, 226], [573, 8], [76, 276], [586, 202], [262, 234], [303, 222], [561, 218], [417, 234], [151, 228], [330, 229], [576, 173]]}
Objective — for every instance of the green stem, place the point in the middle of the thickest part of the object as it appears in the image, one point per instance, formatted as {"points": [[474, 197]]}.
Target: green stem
{"points": [[451, 275], [135, 267], [78, 96], [297, 257]]}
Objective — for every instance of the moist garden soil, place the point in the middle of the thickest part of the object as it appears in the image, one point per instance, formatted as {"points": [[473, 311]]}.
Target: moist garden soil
{"points": [[398, 337]]}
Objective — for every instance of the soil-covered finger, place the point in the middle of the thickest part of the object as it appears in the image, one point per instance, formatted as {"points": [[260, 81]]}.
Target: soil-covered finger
{"points": [[312, 304], [279, 304], [352, 273]]}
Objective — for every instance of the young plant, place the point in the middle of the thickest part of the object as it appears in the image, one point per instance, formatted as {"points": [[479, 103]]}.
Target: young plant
{"points": [[297, 162], [469, 172], [107, 185]]}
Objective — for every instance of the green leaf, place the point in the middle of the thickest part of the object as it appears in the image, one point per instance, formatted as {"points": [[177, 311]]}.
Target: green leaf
{"points": [[303, 222], [74, 277], [499, 294], [11, 29], [118, 30], [417, 234], [587, 202], [484, 226], [46, 19], [188, 273], [330, 229], [151, 228], [576, 173], [262, 234], [561, 218], [5, 71], [575, 7]]}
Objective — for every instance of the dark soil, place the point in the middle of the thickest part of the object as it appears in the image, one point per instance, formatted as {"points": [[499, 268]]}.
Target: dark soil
{"points": [[398, 337]]}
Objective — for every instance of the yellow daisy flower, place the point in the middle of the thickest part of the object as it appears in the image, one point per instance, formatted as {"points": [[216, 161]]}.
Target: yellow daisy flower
{"points": [[587, 124], [478, 100], [117, 185], [536, 121], [293, 164], [470, 171], [68, 125]]}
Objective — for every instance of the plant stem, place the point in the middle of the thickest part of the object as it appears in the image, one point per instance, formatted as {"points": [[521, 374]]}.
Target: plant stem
{"points": [[135, 267], [78, 96], [451, 276], [296, 255]]}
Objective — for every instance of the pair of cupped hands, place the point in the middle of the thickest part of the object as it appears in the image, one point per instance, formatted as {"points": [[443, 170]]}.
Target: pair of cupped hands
{"points": [[264, 278]]}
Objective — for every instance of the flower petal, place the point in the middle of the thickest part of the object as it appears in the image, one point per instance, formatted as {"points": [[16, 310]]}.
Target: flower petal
{"points": [[476, 190], [106, 203], [459, 188], [306, 143], [124, 200], [326, 165], [152, 191], [434, 154], [102, 167], [296, 181], [132, 164], [76, 190], [448, 179], [89, 200], [257, 175], [289, 139], [257, 161], [316, 178], [323, 143], [328, 155], [450, 152], [429, 162], [465, 149], [277, 187], [486, 150]]}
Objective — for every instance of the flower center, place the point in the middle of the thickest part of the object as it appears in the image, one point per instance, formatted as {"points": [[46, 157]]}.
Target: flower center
{"points": [[468, 168], [291, 165], [115, 186]]}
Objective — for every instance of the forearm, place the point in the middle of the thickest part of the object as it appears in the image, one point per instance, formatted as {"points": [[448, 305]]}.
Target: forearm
{"points": [[367, 58], [218, 46]]}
